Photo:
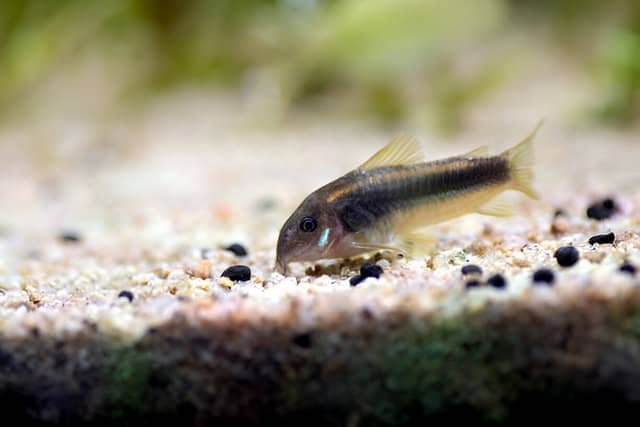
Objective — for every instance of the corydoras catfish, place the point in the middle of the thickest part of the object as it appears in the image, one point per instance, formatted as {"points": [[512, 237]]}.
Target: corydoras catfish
{"points": [[386, 202]]}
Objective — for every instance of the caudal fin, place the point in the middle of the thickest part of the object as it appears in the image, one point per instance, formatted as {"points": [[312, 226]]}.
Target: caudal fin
{"points": [[520, 159]]}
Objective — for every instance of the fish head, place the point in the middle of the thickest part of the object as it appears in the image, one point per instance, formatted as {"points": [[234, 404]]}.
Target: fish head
{"points": [[309, 234]]}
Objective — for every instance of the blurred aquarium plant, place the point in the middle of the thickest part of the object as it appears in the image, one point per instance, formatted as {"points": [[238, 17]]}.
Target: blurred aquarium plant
{"points": [[602, 36], [619, 74], [385, 54], [387, 59]]}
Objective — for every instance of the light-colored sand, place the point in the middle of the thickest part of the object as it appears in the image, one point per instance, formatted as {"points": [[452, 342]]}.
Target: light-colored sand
{"points": [[155, 196]]}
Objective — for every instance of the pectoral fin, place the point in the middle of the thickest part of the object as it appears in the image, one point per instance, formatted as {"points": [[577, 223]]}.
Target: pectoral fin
{"points": [[418, 242], [380, 247], [410, 243]]}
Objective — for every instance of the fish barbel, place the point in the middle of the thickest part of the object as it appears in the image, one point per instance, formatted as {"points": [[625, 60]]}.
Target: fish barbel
{"points": [[385, 202]]}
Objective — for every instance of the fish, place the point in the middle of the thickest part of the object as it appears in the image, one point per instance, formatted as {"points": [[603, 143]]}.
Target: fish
{"points": [[387, 202]]}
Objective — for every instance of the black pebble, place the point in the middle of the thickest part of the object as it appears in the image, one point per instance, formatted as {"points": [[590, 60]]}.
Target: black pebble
{"points": [[237, 249], [497, 281], [610, 204], [70, 237], [602, 209], [126, 294], [355, 280], [471, 269], [628, 268], [237, 273], [544, 275], [602, 238], [472, 284], [567, 256], [370, 270], [303, 340]]}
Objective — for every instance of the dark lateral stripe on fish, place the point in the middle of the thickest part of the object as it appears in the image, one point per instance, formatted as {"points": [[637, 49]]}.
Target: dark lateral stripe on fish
{"points": [[390, 189], [463, 175]]}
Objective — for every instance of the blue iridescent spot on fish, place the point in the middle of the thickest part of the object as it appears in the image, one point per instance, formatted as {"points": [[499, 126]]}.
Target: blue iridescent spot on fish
{"points": [[324, 239], [386, 202]]}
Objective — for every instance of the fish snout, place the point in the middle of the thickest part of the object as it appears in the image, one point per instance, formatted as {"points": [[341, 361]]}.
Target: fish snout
{"points": [[281, 265]]}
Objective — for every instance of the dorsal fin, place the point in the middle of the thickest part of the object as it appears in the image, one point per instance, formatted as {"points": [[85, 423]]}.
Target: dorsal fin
{"points": [[481, 151], [402, 150]]}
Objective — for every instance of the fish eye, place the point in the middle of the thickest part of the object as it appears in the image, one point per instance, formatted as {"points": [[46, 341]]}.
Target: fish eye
{"points": [[308, 224]]}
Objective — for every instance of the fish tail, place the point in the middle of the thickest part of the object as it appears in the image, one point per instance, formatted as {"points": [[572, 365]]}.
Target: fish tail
{"points": [[521, 163]]}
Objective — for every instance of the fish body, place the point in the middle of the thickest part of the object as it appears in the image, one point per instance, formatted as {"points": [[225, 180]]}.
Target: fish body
{"points": [[384, 203]]}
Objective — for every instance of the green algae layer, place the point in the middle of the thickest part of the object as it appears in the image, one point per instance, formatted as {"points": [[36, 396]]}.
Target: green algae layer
{"points": [[500, 363]]}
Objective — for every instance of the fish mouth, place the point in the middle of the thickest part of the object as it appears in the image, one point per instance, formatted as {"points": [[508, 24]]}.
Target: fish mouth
{"points": [[281, 266]]}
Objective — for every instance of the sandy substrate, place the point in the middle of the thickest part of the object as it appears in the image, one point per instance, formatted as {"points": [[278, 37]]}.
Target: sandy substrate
{"points": [[153, 199]]}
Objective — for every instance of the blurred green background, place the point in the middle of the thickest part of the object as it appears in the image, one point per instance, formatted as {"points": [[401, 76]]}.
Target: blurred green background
{"points": [[383, 60]]}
